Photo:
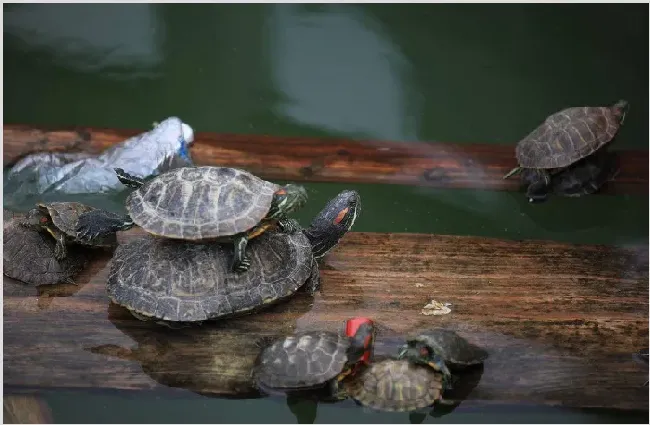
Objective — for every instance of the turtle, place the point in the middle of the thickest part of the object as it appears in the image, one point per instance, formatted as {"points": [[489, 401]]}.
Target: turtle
{"points": [[177, 282], [564, 138], [584, 177], [455, 351], [28, 256], [642, 356], [396, 385], [202, 204], [312, 359], [59, 219]]}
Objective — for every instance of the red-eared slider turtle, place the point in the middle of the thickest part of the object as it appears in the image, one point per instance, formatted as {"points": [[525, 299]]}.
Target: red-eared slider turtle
{"points": [[456, 352], [396, 386], [584, 177], [174, 282], [28, 256], [203, 204], [566, 137], [312, 359], [60, 220]]}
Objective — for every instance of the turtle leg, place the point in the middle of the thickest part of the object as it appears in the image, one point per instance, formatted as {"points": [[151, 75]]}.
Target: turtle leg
{"points": [[60, 249], [289, 225], [99, 223], [241, 262], [336, 390], [538, 190], [313, 281]]}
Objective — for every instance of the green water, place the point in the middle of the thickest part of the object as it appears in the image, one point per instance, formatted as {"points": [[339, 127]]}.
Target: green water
{"points": [[450, 73]]}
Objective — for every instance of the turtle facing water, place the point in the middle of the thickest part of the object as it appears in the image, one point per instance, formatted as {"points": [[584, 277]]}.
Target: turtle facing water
{"points": [[312, 359], [60, 219], [176, 282], [202, 204], [566, 137]]}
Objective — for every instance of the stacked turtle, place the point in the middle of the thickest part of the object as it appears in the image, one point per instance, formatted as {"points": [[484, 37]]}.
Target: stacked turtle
{"points": [[344, 363], [185, 270], [566, 154], [42, 248]]}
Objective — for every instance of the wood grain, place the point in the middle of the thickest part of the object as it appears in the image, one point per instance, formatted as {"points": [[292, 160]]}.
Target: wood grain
{"points": [[444, 165], [561, 322]]}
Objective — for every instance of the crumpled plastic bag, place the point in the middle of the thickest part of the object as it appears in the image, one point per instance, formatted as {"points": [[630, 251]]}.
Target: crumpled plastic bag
{"points": [[147, 154]]}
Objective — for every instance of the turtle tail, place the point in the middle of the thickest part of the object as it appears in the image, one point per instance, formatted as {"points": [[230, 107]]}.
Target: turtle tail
{"points": [[512, 172]]}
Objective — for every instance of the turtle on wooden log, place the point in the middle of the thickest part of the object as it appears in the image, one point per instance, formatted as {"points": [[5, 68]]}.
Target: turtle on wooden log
{"points": [[444, 165], [550, 314]]}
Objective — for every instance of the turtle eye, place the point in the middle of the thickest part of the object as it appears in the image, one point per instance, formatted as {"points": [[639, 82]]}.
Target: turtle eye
{"points": [[341, 215], [43, 220]]}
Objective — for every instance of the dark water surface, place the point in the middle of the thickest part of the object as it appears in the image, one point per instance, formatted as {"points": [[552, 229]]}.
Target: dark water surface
{"points": [[451, 73]]}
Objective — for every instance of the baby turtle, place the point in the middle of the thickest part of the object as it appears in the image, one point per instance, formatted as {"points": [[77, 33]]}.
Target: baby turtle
{"points": [[59, 219], [566, 137], [396, 386], [218, 204], [175, 282], [456, 352], [28, 256], [312, 359], [584, 177]]}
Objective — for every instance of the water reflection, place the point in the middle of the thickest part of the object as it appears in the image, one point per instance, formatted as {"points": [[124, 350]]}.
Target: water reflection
{"points": [[330, 62], [83, 37]]}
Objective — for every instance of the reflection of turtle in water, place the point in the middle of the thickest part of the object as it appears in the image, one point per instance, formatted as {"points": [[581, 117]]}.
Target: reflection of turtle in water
{"points": [[456, 352], [396, 386], [564, 138], [202, 204], [28, 256], [60, 220], [584, 177], [176, 282], [312, 359]]}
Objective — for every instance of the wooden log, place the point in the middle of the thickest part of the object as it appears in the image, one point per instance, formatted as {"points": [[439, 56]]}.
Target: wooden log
{"points": [[445, 165], [560, 322]]}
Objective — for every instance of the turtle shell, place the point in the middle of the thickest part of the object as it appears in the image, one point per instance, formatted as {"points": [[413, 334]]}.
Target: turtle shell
{"points": [[568, 136], [65, 215], [395, 386], [28, 256], [196, 203], [453, 348], [303, 360], [177, 281]]}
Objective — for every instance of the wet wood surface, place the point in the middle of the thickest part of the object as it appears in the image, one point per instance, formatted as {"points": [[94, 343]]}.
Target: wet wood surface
{"points": [[560, 322], [444, 165]]}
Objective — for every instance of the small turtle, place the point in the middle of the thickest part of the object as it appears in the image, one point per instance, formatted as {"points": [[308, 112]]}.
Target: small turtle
{"points": [[176, 282], [396, 386], [456, 352], [584, 177], [28, 256], [566, 137], [312, 359], [642, 356], [202, 204], [59, 219]]}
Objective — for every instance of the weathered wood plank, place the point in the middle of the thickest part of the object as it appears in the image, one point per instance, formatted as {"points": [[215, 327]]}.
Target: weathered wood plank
{"points": [[445, 165], [560, 321]]}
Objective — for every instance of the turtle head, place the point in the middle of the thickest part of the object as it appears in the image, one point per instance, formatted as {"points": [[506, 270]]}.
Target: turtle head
{"points": [[620, 109], [419, 352], [36, 218], [361, 331], [287, 199], [333, 222]]}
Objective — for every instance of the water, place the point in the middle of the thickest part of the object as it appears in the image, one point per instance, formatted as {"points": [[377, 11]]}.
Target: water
{"points": [[452, 73]]}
